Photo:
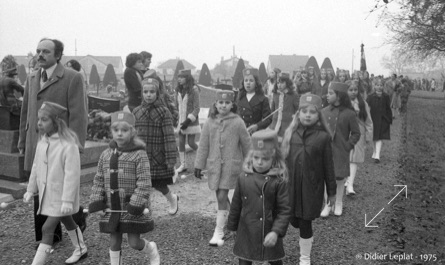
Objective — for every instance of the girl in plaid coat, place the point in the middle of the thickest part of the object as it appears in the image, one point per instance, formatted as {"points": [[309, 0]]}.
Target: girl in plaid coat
{"points": [[122, 185], [154, 125]]}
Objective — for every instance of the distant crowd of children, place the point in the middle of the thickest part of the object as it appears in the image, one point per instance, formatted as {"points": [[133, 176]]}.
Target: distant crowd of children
{"points": [[289, 150]]}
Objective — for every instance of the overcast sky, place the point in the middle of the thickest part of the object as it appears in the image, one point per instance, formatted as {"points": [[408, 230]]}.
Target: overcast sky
{"points": [[200, 31]]}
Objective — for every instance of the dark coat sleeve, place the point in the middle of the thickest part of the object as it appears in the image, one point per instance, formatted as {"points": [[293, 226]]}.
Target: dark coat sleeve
{"points": [[282, 210], [131, 80], [235, 208], [265, 112], [78, 119], [24, 116], [355, 130], [328, 166]]}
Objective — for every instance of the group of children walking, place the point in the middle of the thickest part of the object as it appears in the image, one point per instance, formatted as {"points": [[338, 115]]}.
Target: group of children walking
{"points": [[284, 164]]}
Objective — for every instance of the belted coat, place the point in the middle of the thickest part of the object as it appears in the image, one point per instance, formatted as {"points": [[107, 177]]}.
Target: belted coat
{"points": [[260, 205]]}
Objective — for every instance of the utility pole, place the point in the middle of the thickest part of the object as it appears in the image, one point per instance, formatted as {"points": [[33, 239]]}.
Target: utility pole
{"points": [[352, 70], [75, 47]]}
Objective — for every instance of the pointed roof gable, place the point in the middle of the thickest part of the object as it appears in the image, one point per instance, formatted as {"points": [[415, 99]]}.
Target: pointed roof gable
{"points": [[171, 64]]}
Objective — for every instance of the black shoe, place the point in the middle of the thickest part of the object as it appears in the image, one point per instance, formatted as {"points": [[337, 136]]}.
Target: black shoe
{"points": [[377, 160]]}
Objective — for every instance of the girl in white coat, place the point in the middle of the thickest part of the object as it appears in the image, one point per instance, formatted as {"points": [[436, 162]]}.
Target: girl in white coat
{"points": [[55, 175]]}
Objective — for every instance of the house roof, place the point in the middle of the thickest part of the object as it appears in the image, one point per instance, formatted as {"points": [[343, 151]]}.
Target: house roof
{"points": [[288, 63], [171, 64]]}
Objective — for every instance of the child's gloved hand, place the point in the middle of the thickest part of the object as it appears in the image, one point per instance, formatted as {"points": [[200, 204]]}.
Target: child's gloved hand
{"points": [[198, 173], [27, 196], [270, 240], [67, 207], [186, 124]]}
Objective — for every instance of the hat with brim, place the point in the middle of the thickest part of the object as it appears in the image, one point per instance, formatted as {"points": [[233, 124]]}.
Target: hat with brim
{"points": [[150, 73], [52, 108], [122, 116], [284, 75], [339, 87]]}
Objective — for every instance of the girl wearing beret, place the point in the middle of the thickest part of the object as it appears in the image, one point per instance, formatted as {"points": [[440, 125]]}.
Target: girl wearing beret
{"points": [[365, 124], [121, 188], [253, 105], [286, 100], [154, 125], [307, 150], [341, 118], [187, 101], [223, 144], [260, 210], [55, 176]]}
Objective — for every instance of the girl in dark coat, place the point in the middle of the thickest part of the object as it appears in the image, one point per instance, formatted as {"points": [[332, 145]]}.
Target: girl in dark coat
{"points": [[260, 207], [307, 150], [287, 99], [122, 184], [381, 114], [253, 105], [341, 118], [154, 125]]}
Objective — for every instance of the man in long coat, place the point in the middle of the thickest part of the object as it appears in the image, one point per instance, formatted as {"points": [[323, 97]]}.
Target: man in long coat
{"points": [[55, 83]]}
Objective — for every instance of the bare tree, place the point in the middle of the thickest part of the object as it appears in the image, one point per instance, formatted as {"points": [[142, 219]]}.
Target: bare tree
{"points": [[418, 26]]}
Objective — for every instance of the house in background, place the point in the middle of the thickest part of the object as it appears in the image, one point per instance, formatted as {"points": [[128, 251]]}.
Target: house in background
{"points": [[287, 63], [86, 62], [166, 70]]}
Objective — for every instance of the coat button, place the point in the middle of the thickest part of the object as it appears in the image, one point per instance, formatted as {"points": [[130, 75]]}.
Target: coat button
{"points": [[267, 178], [245, 197], [46, 162], [261, 219], [261, 196], [221, 146]]}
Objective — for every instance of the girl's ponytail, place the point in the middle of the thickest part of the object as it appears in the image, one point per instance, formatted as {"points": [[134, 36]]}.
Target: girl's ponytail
{"points": [[285, 145]]}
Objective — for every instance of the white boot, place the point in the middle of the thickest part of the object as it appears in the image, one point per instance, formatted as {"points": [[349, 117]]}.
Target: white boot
{"points": [[115, 257], [152, 250], [42, 253], [221, 220], [350, 181], [173, 200], [327, 208], [181, 167], [305, 250], [338, 209], [80, 250], [378, 148]]}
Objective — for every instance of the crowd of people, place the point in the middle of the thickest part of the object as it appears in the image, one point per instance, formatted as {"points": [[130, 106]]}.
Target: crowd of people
{"points": [[289, 148]]}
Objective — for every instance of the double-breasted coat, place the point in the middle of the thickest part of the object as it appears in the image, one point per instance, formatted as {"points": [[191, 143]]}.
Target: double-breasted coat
{"points": [[55, 175], [282, 119], [260, 205], [64, 87], [381, 115], [346, 133], [253, 111], [134, 183], [155, 127], [223, 144], [310, 167]]}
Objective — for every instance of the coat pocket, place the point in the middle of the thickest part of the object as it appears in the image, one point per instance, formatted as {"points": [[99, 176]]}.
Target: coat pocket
{"points": [[235, 167]]}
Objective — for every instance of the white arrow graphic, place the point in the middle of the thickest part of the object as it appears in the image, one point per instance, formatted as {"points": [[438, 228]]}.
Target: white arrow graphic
{"points": [[405, 187]]}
